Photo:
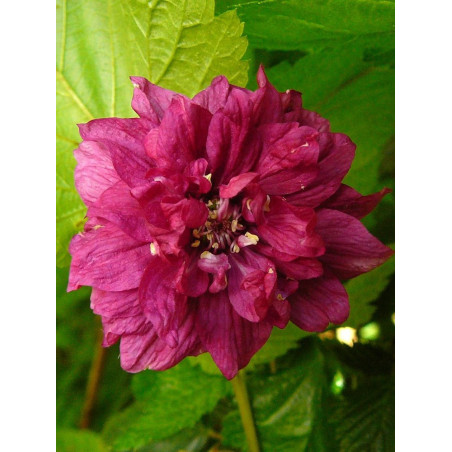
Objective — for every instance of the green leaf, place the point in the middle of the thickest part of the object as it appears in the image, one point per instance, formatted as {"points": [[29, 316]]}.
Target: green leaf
{"points": [[295, 24], [79, 441], [166, 402], [178, 44], [365, 289], [187, 440], [285, 405], [365, 420]]}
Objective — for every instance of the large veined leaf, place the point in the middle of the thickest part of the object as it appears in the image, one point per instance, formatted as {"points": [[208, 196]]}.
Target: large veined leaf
{"points": [[285, 405], [166, 402], [178, 44], [365, 419], [303, 24]]}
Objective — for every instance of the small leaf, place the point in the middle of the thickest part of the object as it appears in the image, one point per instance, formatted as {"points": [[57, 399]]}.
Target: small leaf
{"points": [[166, 402]]}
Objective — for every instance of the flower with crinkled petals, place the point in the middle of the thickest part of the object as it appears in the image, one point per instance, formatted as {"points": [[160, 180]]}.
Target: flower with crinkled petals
{"points": [[213, 219]]}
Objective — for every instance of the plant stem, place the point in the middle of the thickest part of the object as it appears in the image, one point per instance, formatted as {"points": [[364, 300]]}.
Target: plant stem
{"points": [[92, 386], [243, 401]]}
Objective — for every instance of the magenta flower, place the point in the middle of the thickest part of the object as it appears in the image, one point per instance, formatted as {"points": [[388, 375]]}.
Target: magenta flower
{"points": [[214, 219]]}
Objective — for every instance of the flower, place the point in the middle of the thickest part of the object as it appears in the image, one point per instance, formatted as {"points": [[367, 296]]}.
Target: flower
{"points": [[213, 219]]}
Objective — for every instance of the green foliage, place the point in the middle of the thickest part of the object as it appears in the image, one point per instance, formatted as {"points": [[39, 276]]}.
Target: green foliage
{"points": [[307, 24], [166, 402], [79, 441], [285, 404], [364, 420], [179, 45]]}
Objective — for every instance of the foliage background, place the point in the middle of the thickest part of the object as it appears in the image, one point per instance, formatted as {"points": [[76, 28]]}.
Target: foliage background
{"points": [[309, 392]]}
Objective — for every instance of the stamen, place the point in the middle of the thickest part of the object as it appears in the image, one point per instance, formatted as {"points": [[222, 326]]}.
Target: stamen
{"points": [[195, 244], [153, 249]]}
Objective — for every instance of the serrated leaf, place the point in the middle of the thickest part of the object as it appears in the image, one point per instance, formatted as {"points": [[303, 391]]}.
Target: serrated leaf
{"points": [[79, 441], [166, 402], [178, 44], [365, 419], [285, 405], [295, 24], [365, 289]]}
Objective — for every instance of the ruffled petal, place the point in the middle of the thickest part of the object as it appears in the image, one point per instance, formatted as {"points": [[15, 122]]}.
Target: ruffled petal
{"points": [[300, 268], [230, 147], [267, 101], [215, 95], [107, 258], [351, 202], [289, 158], [252, 281], [236, 185], [147, 351], [118, 206], [123, 138], [350, 248], [336, 155], [161, 297], [181, 136], [319, 302], [217, 265], [228, 337], [150, 101], [94, 172], [290, 230]]}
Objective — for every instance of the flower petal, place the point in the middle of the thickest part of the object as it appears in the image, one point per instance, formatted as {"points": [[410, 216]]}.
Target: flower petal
{"points": [[181, 136], [289, 158], [336, 155], [318, 302], [290, 230], [215, 95], [300, 268], [350, 248], [161, 301], [118, 206], [94, 172], [349, 201], [229, 136], [236, 185], [147, 351], [124, 140], [150, 101], [115, 304], [107, 258], [252, 280], [228, 337], [218, 265]]}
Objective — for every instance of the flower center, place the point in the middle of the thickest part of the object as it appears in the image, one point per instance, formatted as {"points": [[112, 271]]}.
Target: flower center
{"points": [[223, 229]]}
